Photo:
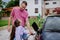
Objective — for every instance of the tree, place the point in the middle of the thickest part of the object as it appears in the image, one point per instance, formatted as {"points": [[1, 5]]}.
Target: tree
{"points": [[4, 4], [0, 3], [12, 3], [1, 6]]}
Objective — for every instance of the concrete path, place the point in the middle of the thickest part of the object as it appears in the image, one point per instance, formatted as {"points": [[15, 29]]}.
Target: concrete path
{"points": [[4, 35]]}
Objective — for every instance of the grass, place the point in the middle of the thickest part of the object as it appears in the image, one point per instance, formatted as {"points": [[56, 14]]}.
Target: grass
{"points": [[3, 23], [31, 20]]}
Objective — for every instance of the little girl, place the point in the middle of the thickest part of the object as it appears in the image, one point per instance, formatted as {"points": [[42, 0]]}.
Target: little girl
{"points": [[16, 34]]}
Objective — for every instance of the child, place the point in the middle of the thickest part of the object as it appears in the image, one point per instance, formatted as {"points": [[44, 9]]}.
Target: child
{"points": [[16, 34]]}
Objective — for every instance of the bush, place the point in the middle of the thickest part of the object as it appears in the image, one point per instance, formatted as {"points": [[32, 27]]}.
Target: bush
{"points": [[0, 15], [39, 22]]}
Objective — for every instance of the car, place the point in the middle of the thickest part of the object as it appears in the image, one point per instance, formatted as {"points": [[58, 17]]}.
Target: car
{"points": [[50, 29]]}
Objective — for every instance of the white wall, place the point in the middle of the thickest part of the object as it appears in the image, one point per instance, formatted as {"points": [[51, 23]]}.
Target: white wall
{"points": [[31, 7], [51, 5]]}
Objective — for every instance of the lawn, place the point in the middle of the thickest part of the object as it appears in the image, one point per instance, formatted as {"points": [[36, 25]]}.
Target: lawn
{"points": [[31, 20], [3, 23]]}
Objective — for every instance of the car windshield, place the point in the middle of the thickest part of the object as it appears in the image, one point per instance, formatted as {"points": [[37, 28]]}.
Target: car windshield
{"points": [[52, 23]]}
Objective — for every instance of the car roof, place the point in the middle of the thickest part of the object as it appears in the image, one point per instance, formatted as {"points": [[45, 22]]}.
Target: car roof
{"points": [[58, 15]]}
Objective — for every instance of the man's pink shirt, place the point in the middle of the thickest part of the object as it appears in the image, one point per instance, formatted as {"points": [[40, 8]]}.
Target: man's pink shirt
{"points": [[17, 13]]}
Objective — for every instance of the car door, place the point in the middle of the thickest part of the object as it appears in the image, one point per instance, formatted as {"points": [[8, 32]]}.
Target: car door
{"points": [[51, 30]]}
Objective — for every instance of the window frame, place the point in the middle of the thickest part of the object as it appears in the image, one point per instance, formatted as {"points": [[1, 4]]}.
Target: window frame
{"points": [[36, 10]]}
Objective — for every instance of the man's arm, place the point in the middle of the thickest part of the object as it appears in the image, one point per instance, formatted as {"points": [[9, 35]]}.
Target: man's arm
{"points": [[28, 26], [11, 15], [9, 22]]}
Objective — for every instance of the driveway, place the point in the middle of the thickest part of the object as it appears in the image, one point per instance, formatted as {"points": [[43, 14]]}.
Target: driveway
{"points": [[4, 35]]}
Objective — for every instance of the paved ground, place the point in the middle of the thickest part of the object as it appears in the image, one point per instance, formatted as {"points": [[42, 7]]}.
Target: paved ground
{"points": [[4, 35]]}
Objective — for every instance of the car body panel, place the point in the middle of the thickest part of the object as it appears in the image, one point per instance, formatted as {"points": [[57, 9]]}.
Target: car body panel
{"points": [[51, 23]]}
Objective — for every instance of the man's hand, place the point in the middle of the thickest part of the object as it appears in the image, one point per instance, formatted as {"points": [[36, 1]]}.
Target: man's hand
{"points": [[8, 28], [31, 33]]}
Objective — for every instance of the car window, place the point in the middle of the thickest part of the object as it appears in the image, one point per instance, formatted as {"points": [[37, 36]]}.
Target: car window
{"points": [[52, 23]]}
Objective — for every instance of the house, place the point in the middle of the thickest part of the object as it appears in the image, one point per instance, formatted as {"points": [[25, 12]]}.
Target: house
{"points": [[50, 6], [34, 7]]}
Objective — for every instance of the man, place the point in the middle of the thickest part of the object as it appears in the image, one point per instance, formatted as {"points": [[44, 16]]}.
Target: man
{"points": [[21, 14]]}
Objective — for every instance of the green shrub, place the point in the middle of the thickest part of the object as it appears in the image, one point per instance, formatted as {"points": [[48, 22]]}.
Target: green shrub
{"points": [[39, 22]]}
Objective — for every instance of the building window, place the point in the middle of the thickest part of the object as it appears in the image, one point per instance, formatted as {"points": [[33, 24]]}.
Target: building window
{"points": [[36, 10], [54, 2], [36, 1], [46, 3]]}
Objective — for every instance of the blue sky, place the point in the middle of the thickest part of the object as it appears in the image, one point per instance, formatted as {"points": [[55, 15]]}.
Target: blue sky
{"points": [[6, 1]]}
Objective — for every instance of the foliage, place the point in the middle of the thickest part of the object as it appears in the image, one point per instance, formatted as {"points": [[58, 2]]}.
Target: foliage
{"points": [[0, 3], [31, 20], [8, 13], [1, 12], [12, 3], [39, 22]]}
